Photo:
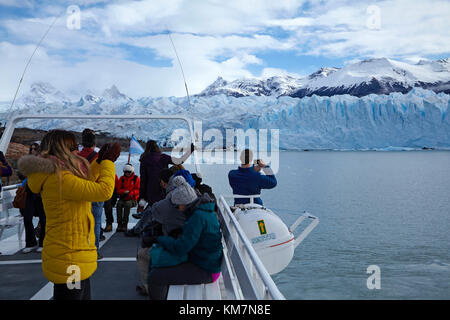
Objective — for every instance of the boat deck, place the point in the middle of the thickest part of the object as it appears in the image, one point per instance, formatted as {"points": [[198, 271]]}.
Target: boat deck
{"points": [[116, 276]]}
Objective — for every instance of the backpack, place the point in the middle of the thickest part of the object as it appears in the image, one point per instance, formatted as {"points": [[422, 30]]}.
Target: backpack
{"points": [[20, 198], [91, 156]]}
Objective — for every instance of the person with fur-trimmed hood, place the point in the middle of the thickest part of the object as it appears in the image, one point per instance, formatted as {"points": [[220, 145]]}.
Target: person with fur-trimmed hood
{"points": [[64, 180]]}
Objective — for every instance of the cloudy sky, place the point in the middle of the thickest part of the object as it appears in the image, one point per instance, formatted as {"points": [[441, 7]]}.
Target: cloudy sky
{"points": [[95, 44]]}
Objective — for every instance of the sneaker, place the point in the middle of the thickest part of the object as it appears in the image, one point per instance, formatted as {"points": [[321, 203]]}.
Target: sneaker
{"points": [[137, 215], [108, 228], [29, 249], [102, 238], [39, 249]]}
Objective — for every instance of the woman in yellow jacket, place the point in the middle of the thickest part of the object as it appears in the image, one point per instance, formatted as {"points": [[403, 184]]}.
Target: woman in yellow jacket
{"points": [[68, 186]]}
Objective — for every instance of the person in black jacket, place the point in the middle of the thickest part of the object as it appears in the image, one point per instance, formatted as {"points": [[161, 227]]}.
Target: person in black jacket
{"points": [[33, 208]]}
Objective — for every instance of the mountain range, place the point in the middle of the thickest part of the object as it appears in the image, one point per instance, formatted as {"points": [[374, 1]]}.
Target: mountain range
{"points": [[372, 104], [372, 76]]}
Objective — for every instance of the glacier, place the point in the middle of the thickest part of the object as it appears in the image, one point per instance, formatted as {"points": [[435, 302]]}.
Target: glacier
{"points": [[396, 121]]}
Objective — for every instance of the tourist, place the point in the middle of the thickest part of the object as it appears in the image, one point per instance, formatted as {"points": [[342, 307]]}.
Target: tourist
{"points": [[165, 180], [63, 178], [179, 170], [152, 162], [170, 219], [88, 152], [108, 206], [33, 208], [247, 179], [195, 257], [5, 168], [128, 193]]}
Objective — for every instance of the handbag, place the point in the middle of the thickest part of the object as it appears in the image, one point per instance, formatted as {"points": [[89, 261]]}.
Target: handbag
{"points": [[20, 198]]}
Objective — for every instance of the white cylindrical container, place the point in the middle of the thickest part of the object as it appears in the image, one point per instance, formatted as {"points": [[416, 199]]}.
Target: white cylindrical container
{"points": [[270, 237]]}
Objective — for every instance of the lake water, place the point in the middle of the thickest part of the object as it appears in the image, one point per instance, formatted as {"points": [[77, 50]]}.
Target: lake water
{"points": [[390, 209]]}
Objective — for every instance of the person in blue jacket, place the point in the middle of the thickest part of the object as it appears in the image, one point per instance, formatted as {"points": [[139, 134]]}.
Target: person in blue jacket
{"points": [[247, 179], [179, 170], [196, 256]]}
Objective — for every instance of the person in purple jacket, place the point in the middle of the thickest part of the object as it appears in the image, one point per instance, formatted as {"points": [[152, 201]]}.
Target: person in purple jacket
{"points": [[153, 161], [247, 179]]}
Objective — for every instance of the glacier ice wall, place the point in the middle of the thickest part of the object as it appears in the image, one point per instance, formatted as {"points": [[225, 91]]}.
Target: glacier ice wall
{"points": [[413, 120]]}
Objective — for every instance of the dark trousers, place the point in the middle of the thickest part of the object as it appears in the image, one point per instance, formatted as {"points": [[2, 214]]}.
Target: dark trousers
{"points": [[159, 279], [33, 208], [123, 211], [108, 206], [62, 292]]}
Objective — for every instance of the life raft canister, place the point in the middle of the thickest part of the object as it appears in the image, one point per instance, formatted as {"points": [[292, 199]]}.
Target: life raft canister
{"points": [[270, 237]]}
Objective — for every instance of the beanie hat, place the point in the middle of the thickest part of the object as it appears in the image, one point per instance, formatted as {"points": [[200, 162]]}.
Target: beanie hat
{"points": [[128, 167], [183, 192]]}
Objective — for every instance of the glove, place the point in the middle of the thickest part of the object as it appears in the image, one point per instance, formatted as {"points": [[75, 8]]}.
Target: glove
{"points": [[2, 158], [102, 151], [192, 147], [110, 152]]}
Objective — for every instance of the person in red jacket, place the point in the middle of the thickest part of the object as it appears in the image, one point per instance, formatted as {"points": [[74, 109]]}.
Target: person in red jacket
{"points": [[128, 192]]}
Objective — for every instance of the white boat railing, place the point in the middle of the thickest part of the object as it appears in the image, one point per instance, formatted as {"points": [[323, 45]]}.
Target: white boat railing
{"points": [[254, 281], [12, 122]]}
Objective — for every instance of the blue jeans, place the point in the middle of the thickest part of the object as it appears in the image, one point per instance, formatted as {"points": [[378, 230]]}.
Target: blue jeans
{"points": [[97, 209]]}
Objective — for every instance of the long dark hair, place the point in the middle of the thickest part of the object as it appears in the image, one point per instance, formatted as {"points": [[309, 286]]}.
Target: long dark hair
{"points": [[151, 146], [36, 147]]}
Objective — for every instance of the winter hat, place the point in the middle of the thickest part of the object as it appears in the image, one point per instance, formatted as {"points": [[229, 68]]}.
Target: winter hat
{"points": [[183, 193], [128, 167]]}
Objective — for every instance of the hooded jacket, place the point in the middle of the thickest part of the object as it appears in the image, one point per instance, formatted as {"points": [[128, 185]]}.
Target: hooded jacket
{"points": [[69, 239], [201, 238]]}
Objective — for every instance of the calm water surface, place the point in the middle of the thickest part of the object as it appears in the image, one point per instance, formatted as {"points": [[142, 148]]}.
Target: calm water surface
{"points": [[390, 209]]}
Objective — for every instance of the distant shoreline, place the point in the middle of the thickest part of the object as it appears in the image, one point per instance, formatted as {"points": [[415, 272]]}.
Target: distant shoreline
{"points": [[27, 136]]}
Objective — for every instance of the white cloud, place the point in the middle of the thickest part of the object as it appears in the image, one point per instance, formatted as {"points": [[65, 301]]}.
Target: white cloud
{"points": [[212, 38], [407, 28], [15, 3]]}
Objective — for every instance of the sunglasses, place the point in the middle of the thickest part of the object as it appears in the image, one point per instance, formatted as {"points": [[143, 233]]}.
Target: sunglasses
{"points": [[127, 171]]}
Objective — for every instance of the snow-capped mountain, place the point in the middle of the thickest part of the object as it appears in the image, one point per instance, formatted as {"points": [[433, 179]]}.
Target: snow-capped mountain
{"points": [[416, 119], [42, 93], [378, 76], [273, 86]]}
